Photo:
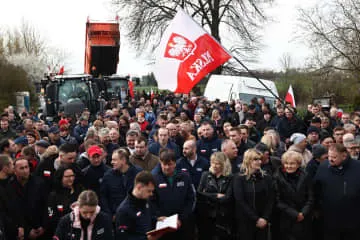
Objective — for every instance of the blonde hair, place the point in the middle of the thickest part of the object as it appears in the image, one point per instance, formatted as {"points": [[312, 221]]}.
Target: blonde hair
{"points": [[269, 142], [224, 162], [249, 156], [292, 155], [215, 111]]}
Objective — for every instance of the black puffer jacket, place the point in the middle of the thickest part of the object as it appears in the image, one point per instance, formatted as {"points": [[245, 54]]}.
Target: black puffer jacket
{"points": [[294, 194]]}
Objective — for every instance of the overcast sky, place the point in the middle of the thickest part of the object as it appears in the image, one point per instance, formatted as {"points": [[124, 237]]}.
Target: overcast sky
{"points": [[62, 23]]}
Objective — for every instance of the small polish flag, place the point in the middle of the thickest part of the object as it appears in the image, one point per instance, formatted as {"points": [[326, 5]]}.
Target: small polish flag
{"points": [[290, 96], [186, 54], [47, 173], [61, 71], [60, 208], [151, 94]]}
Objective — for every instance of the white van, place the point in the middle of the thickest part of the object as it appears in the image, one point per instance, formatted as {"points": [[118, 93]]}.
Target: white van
{"points": [[226, 88]]}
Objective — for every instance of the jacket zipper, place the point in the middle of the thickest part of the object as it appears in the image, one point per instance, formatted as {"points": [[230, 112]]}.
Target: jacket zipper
{"points": [[254, 195], [345, 188]]}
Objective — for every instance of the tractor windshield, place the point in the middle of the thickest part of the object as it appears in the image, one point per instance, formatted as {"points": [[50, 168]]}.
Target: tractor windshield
{"points": [[74, 90]]}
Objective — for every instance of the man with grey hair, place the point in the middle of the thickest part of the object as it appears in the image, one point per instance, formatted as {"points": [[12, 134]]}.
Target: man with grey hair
{"points": [[350, 128], [238, 116], [135, 126], [104, 136], [352, 145], [131, 137], [112, 125], [228, 147]]}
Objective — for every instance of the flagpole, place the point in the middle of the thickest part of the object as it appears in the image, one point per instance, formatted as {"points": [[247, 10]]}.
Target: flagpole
{"points": [[259, 80]]}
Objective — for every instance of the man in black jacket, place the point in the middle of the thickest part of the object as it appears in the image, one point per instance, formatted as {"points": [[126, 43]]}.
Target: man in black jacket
{"points": [[174, 194], [117, 182], [209, 141], [66, 157], [192, 163], [94, 173], [28, 201], [133, 217], [337, 188], [7, 225]]}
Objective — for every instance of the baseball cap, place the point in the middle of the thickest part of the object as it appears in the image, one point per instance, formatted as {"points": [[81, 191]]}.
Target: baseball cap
{"points": [[21, 140], [94, 150], [42, 143], [63, 122], [54, 129]]}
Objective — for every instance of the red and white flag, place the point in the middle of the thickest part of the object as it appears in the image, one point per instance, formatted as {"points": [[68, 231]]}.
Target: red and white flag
{"points": [[152, 95], [186, 54], [290, 96]]}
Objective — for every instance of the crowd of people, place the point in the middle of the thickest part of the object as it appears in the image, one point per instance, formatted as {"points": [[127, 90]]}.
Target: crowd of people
{"points": [[233, 170]]}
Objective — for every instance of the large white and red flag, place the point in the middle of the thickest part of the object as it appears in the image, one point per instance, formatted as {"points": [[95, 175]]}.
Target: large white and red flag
{"points": [[290, 96], [186, 54]]}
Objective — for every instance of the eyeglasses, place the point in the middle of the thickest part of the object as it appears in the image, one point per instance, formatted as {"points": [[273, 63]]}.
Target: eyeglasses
{"points": [[69, 176], [257, 159]]}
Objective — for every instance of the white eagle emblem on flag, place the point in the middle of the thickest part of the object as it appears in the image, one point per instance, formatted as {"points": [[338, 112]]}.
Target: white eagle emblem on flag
{"points": [[179, 47]]}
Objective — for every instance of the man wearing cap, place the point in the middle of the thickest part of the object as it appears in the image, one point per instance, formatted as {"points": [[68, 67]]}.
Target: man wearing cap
{"points": [[299, 145], [20, 143], [54, 136], [65, 135], [320, 154], [80, 130], [40, 147], [313, 135], [93, 174]]}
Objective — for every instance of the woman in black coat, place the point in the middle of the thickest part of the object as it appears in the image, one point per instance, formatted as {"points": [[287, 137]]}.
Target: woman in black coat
{"points": [[294, 198], [214, 203], [60, 199], [254, 199]]}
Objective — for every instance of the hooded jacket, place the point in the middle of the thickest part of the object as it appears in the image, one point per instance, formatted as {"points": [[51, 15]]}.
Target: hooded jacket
{"points": [[69, 227]]}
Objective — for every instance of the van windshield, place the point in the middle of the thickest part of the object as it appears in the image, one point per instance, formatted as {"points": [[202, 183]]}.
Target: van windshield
{"points": [[246, 98]]}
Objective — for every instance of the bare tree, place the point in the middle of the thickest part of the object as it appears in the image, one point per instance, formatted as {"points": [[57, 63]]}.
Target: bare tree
{"points": [[32, 42], [26, 48], [286, 61], [332, 29], [146, 20]]}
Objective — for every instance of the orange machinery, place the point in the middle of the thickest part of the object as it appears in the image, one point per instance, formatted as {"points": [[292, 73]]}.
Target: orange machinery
{"points": [[102, 45]]}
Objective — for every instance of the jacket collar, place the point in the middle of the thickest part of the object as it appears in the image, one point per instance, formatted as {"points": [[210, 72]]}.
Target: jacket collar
{"points": [[76, 216]]}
